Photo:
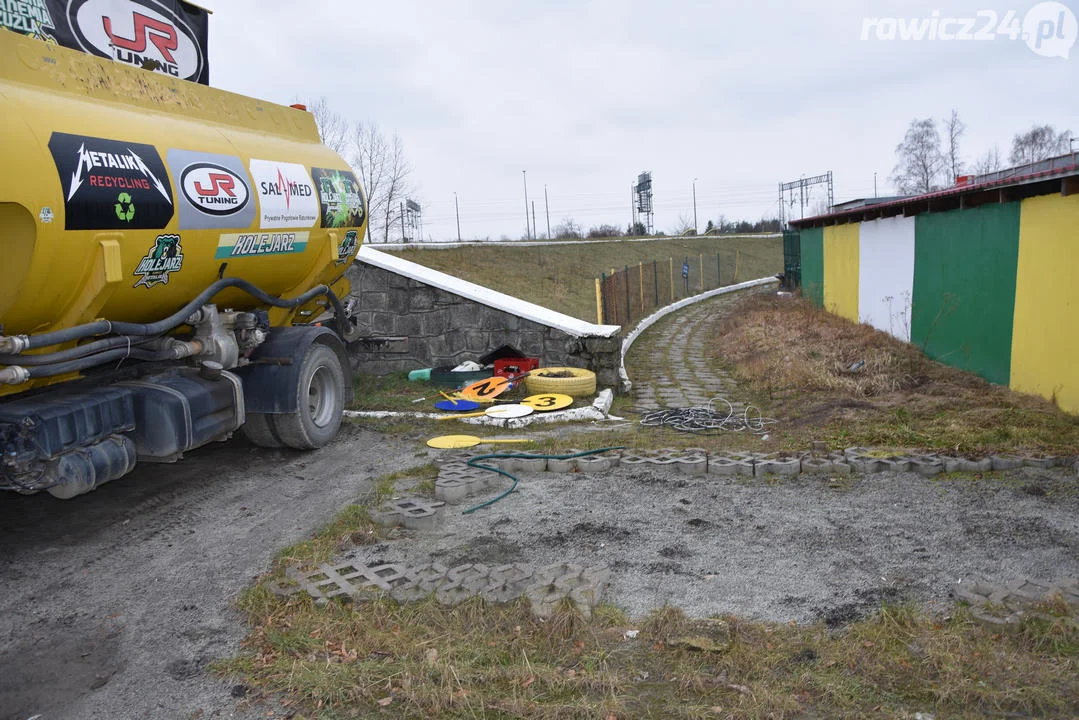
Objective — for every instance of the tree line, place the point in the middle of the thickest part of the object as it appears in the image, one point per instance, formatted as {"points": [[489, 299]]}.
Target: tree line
{"points": [[929, 159]]}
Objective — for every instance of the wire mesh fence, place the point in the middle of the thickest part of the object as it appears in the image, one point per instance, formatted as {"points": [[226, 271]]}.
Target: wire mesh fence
{"points": [[626, 295]]}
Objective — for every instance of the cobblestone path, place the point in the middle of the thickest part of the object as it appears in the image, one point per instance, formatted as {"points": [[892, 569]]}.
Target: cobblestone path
{"points": [[668, 365]]}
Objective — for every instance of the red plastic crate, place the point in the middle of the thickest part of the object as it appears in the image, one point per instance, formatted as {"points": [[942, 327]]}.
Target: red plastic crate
{"points": [[513, 368]]}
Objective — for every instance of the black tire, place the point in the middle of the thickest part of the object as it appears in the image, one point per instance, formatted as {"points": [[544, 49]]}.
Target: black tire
{"points": [[320, 400], [258, 430]]}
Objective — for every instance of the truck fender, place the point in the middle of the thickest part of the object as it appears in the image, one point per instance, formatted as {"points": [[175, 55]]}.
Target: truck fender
{"points": [[275, 367]]}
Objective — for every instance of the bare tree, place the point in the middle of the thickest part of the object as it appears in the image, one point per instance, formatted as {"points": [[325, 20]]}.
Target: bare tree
{"points": [[1039, 143], [332, 127], [953, 131], [568, 228], [920, 161], [684, 226], [384, 173], [988, 163]]}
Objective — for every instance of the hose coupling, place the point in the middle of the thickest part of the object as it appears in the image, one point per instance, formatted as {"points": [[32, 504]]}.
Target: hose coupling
{"points": [[14, 375], [13, 344]]}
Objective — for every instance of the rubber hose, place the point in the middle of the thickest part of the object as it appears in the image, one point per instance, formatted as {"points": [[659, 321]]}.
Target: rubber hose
{"points": [[101, 327], [80, 364], [71, 353], [473, 463]]}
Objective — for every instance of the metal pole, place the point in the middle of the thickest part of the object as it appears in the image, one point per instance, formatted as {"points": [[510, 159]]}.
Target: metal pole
{"points": [[599, 301], [548, 207], [404, 238], [533, 215], [694, 206], [874, 185], [632, 212], [524, 174], [457, 208]]}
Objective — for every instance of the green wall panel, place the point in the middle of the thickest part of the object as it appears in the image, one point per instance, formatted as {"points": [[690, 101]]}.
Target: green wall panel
{"points": [[812, 244], [964, 287]]}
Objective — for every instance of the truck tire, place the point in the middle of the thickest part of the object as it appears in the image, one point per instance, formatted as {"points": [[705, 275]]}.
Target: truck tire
{"points": [[257, 429], [577, 382], [320, 399]]}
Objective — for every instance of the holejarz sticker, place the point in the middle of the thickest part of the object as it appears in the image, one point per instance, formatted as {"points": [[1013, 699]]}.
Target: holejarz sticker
{"points": [[166, 256]]}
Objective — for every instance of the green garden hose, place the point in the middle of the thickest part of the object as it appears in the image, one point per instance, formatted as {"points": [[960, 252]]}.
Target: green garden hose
{"points": [[501, 456]]}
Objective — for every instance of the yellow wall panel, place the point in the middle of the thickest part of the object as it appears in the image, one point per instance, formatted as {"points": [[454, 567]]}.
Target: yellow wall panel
{"points": [[841, 270], [1045, 342]]}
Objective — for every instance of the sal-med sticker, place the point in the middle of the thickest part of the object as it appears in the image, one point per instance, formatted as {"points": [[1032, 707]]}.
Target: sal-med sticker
{"points": [[286, 194], [213, 191]]}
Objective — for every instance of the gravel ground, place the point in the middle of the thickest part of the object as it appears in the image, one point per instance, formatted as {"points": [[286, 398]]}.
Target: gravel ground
{"points": [[807, 549], [114, 603]]}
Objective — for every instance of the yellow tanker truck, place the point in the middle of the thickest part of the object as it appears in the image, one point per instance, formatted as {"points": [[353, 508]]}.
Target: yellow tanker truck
{"points": [[168, 252]]}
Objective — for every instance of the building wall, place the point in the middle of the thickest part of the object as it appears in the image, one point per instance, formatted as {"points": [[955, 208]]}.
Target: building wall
{"points": [[841, 270], [993, 290], [886, 275], [1045, 341], [407, 325], [964, 288], [812, 248]]}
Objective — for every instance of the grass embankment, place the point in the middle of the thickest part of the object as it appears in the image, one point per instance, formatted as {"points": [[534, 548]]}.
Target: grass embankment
{"points": [[561, 276], [373, 655], [795, 360]]}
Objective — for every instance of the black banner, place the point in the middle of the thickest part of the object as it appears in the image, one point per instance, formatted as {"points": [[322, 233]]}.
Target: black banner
{"points": [[166, 36], [111, 185]]}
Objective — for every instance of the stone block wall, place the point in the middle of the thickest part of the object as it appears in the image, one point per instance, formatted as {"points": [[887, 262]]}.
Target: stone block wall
{"points": [[407, 325]]}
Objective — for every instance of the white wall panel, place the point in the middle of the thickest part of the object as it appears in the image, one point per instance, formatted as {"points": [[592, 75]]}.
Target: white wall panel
{"points": [[886, 274]]}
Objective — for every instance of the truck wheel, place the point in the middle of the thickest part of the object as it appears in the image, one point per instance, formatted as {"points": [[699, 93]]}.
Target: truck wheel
{"points": [[257, 429], [320, 399]]}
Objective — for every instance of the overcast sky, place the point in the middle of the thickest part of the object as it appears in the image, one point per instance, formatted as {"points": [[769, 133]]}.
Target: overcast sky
{"points": [[586, 94]]}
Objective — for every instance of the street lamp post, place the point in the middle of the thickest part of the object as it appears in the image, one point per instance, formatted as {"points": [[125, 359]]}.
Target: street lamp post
{"points": [[548, 206], [528, 235], [694, 206], [457, 209]]}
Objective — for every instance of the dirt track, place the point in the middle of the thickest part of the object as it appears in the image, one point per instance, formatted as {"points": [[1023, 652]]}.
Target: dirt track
{"points": [[114, 603]]}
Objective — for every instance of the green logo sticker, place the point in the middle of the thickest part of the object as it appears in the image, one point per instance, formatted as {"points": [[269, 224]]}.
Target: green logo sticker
{"points": [[166, 256], [125, 207]]}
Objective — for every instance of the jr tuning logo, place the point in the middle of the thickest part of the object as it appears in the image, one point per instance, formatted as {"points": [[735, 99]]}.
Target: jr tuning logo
{"points": [[143, 33], [214, 189], [286, 194], [1049, 29]]}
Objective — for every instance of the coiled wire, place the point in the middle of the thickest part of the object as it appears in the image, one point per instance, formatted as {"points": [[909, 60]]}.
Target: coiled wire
{"points": [[710, 419]]}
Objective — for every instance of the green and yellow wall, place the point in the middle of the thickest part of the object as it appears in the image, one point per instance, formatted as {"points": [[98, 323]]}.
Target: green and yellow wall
{"points": [[993, 289]]}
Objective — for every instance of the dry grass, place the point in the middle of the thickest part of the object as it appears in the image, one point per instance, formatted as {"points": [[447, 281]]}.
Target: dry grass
{"points": [[796, 359], [478, 660]]}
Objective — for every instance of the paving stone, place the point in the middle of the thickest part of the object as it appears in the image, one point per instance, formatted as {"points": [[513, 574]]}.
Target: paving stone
{"points": [[566, 465], [1007, 462], [926, 465], [414, 513], [967, 465], [785, 466], [817, 465], [895, 464]]}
